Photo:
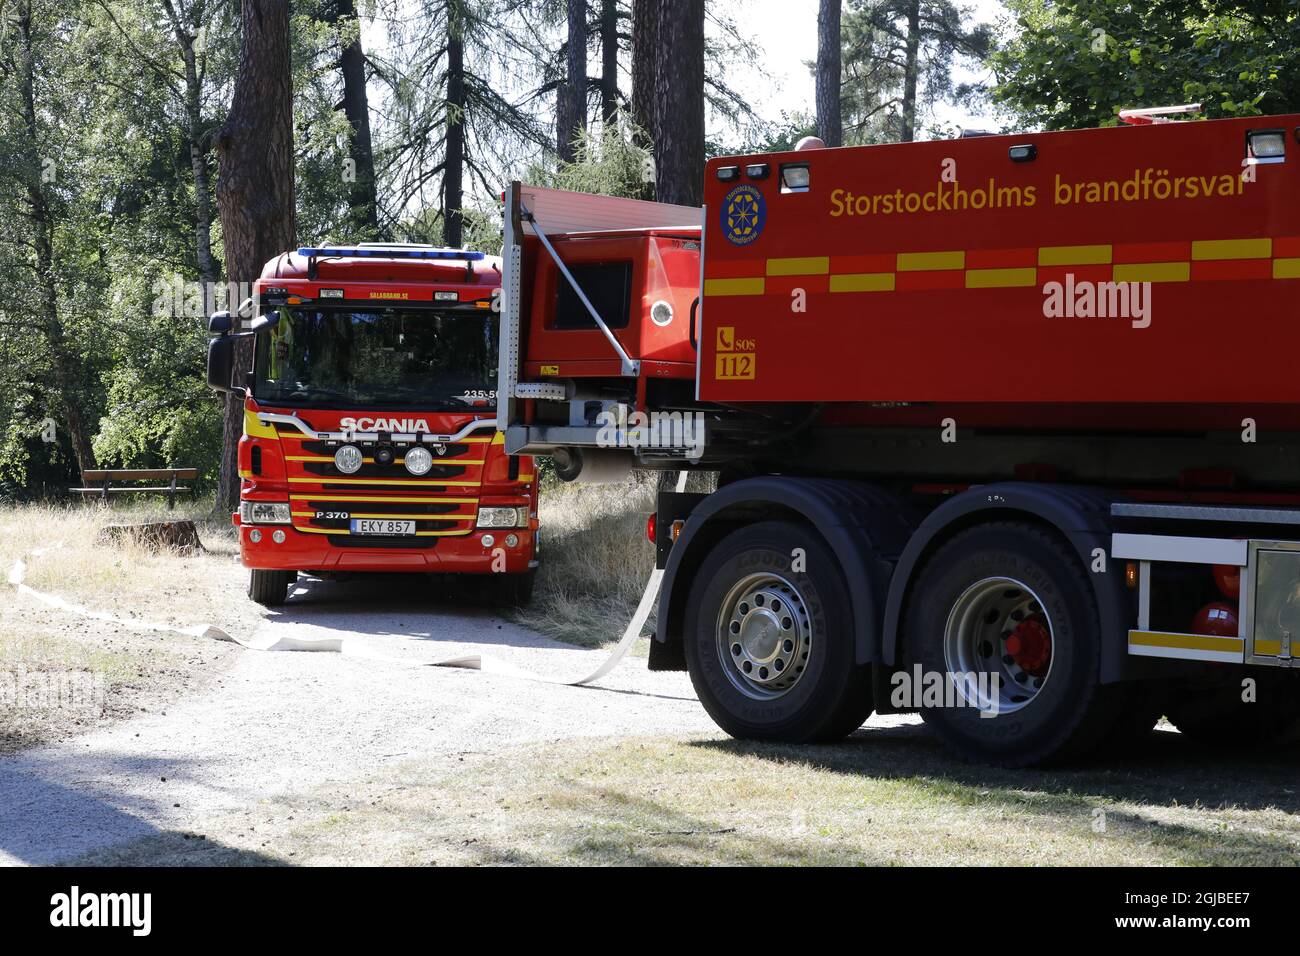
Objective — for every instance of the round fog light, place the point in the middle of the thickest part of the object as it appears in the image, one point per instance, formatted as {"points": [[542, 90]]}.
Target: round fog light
{"points": [[418, 461], [512, 540], [277, 537], [488, 540], [255, 536], [348, 459]]}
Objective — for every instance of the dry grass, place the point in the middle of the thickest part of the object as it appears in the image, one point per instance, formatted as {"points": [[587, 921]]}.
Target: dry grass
{"points": [[887, 796], [63, 554], [595, 560]]}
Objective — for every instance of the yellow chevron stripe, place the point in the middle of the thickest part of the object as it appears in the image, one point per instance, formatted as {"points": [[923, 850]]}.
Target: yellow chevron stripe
{"points": [[1204, 249], [394, 499], [1152, 272], [1098, 255], [1188, 642], [863, 282], [930, 261], [753, 286], [799, 266], [422, 483], [1001, 278], [254, 427]]}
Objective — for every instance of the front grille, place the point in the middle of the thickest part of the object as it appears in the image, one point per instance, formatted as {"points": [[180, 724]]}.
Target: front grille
{"points": [[371, 470], [389, 507], [343, 524], [442, 502], [329, 448], [372, 541], [434, 517]]}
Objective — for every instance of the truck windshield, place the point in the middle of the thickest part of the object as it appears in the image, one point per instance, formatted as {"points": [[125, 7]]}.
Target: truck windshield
{"points": [[386, 358]]}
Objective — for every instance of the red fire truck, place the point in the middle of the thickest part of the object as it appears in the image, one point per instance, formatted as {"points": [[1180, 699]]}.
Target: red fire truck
{"points": [[370, 440], [1007, 428]]}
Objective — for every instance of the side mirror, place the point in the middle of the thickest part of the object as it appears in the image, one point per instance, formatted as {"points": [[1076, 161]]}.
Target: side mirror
{"points": [[219, 323], [264, 322], [221, 361]]}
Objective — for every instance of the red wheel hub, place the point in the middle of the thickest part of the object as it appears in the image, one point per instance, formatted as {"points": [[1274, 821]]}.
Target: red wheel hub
{"points": [[1030, 645]]}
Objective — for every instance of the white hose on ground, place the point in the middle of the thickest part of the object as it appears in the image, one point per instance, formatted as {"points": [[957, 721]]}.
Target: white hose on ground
{"points": [[18, 572], [630, 634], [335, 645]]}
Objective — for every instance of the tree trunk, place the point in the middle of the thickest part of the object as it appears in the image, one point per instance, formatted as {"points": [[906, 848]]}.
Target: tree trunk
{"points": [[911, 69], [68, 373], [362, 198], [608, 61], [679, 105], [830, 122], [255, 188], [571, 107], [645, 42], [206, 263], [453, 173]]}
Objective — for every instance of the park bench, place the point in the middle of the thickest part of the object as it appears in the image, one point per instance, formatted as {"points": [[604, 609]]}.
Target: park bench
{"points": [[107, 481]]}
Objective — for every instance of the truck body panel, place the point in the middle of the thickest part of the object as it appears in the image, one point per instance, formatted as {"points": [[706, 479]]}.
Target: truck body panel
{"points": [[923, 268]]}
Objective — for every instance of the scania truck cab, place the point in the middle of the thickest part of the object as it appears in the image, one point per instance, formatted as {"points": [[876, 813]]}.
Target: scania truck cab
{"points": [[370, 440]]}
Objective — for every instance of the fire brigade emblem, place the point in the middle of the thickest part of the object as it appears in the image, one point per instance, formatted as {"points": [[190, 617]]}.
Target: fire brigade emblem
{"points": [[743, 215]]}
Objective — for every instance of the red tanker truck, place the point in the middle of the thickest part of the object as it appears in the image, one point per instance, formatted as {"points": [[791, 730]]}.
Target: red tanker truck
{"points": [[370, 440], [1007, 428]]}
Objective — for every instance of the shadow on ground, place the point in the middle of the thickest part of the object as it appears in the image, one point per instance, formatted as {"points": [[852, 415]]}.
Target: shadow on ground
{"points": [[1161, 768]]}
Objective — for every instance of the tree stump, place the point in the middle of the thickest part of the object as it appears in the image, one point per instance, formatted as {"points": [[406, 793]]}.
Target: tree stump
{"points": [[179, 536]]}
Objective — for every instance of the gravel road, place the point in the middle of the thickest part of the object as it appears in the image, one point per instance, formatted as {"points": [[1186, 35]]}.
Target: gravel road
{"points": [[277, 724]]}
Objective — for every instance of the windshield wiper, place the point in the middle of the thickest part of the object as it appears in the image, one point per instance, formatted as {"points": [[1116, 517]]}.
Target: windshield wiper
{"points": [[311, 393]]}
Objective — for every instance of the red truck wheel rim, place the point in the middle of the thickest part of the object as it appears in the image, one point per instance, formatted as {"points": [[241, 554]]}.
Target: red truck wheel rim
{"points": [[998, 645]]}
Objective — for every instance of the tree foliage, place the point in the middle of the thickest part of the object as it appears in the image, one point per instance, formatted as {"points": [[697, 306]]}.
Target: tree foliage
{"points": [[1076, 63]]}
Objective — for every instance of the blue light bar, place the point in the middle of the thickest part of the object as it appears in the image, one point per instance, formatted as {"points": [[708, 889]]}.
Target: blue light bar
{"points": [[311, 252]]}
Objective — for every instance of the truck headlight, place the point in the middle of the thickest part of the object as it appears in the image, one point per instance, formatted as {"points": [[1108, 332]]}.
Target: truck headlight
{"points": [[418, 461], [1268, 145], [264, 512], [348, 459], [503, 517]]}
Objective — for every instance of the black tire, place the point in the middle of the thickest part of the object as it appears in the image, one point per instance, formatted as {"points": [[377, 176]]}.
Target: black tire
{"points": [[1068, 710], [515, 590], [1215, 715], [828, 695], [270, 588]]}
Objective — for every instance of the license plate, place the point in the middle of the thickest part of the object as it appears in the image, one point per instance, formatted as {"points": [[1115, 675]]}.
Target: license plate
{"points": [[382, 526]]}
